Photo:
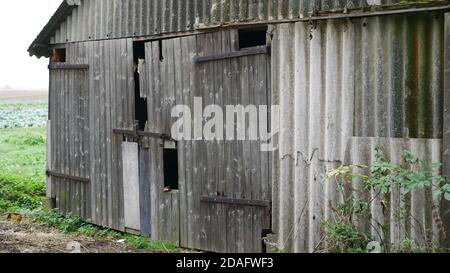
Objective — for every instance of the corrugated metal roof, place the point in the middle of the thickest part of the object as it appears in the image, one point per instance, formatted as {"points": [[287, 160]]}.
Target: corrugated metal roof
{"points": [[345, 87], [106, 19], [40, 44]]}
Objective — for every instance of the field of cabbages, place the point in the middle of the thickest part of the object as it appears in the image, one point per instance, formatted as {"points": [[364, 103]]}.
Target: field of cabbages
{"points": [[23, 116]]}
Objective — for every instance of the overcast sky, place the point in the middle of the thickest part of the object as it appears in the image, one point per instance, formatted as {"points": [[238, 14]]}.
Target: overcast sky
{"points": [[20, 23]]}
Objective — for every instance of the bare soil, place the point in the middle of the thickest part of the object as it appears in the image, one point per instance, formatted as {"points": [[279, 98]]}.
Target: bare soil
{"points": [[15, 96], [29, 237]]}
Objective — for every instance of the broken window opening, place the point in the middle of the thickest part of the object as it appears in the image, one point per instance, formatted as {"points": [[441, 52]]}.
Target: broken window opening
{"points": [[170, 166], [252, 37], [161, 54], [58, 55], [141, 107]]}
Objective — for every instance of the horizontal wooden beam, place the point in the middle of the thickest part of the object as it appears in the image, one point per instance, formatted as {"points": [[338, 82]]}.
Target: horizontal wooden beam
{"points": [[233, 201], [68, 176], [61, 66], [232, 54], [142, 134]]}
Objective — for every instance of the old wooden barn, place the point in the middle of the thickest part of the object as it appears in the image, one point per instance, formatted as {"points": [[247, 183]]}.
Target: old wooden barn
{"points": [[347, 76]]}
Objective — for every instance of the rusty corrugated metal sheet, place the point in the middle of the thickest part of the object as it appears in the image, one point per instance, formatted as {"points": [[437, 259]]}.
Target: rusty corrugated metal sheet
{"points": [[343, 87], [106, 19]]}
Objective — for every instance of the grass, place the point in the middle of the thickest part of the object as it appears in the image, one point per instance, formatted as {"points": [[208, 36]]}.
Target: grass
{"points": [[22, 168], [74, 225], [22, 184]]}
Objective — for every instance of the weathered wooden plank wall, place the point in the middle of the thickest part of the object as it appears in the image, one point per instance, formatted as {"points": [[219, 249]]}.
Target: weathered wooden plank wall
{"points": [[69, 101], [85, 108], [233, 169]]}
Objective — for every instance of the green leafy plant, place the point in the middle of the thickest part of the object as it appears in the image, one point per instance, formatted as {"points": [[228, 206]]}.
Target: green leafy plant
{"points": [[413, 174], [139, 242], [342, 233], [22, 168], [75, 225]]}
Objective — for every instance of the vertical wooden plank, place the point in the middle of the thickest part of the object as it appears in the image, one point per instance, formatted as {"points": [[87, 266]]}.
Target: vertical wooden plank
{"points": [[200, 181], [219, 210], [226, 187], [74, 97], [51, 141], [145, 191], [58, 131], [152, 57], [445, 205], [249, 158], [131, 185], [94, 146], [65, 142], [108, 130], [258, 93], [72, 156], [130, 81], [123, 85], [61, 142], [175, 219], [189, 48], [180, 85], [113, 58], [90, 141], [85, 142], [102, 132], [207, 146], [56, 135], [171, 87], [215, 149], [234, 174], [78, 140]]}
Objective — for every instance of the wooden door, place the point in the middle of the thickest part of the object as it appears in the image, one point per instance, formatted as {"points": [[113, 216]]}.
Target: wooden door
{"points": [[68, 162], [223, 200]]}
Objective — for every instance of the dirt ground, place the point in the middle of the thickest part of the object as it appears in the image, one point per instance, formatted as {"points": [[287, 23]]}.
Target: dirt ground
{"points": [[28, 237], [22, 96]]}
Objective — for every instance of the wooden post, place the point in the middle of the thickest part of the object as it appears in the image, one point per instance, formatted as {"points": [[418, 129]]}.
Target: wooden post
{"points": [[445, 205], [145, 189]]}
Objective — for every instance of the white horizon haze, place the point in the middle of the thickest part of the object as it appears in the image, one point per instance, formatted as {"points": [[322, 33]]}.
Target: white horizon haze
{"points": [[20, 23]]}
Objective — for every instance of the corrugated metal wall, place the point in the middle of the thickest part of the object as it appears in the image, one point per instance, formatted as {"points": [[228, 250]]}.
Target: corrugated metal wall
{"points": [[106, 19], [341, 84]]}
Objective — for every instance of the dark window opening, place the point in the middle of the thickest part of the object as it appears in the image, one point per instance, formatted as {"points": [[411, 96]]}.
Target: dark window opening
{"points": [[138, 51], [252, 37], [141, 110], [170, 169], [161, 54], [58, 55]]}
